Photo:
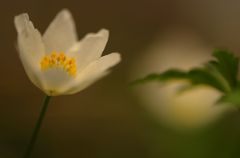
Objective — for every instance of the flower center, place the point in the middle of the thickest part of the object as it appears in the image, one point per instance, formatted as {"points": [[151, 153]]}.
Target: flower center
{"points": [[59, 60]]}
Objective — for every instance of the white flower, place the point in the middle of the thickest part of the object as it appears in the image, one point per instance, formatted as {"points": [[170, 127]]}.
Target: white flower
{"points": [[57, 62]]}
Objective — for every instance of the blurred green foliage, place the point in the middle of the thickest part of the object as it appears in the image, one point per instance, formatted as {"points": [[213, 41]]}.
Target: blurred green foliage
{"points": [[220, 73]]}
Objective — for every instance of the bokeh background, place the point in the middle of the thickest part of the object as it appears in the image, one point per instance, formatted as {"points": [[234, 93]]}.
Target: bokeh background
{"points": [[109, 119]]}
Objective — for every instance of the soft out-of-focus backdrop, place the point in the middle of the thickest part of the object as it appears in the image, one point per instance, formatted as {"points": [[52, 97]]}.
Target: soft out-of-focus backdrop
{"points": [[107, 119]]}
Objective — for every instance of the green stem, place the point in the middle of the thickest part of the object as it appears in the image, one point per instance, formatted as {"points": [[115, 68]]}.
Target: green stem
{"points": [[37, 127]]}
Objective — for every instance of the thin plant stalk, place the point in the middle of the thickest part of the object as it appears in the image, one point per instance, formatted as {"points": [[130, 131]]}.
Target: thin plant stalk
{"points": [[38, 125]]}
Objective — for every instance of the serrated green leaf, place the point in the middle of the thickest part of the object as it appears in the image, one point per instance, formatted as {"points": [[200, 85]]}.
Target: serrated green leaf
{"points": [[219, 77], [227, 65], [165, 76], [196, 76], [220, 73], [203, 76]]}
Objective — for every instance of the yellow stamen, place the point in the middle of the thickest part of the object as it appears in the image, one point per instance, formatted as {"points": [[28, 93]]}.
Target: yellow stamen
{"points": [[59, 60]]}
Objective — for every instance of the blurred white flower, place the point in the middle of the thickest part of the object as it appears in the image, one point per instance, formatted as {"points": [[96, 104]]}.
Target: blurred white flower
{"points": [[188, 109], [57, 62]]}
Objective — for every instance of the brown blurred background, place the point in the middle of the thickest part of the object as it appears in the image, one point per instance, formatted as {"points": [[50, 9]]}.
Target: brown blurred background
{"points": [[105, 120]]}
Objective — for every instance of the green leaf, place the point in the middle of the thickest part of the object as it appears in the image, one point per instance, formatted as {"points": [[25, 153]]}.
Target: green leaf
{"points": [[165, 76], [227, 65], [220, 78], [220, 73], [232, 98], [196, 76], [203, 76]]}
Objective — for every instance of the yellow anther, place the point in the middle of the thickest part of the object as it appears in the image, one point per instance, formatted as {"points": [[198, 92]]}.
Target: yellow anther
{"points": [[59, 60]]}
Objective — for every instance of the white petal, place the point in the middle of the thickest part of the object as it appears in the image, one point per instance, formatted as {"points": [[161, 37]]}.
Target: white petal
{"points": [[90, 48], [61, 33], [93, 72], [30, 46], [56, 80]]}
